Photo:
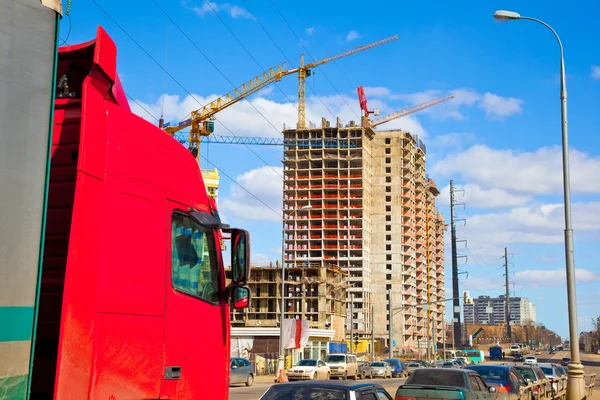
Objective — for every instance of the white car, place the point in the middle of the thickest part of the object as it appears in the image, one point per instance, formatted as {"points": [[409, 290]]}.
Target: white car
{"points": [[465, 359], [309, 369], [531, 360]]}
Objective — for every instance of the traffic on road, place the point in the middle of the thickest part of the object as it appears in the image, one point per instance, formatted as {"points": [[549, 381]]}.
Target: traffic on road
{"points": [[542, 377]]}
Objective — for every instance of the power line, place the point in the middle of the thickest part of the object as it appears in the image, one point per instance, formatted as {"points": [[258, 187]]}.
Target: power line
{"points": [[216, 166], [308, 52], [286, 57], [210, 61], [175, 80]]}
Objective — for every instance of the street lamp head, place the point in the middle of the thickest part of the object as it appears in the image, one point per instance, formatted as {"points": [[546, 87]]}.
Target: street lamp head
{"points": [[505, 16]]}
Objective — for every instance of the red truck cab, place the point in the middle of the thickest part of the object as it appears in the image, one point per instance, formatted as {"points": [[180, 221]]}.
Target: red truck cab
{"points": [[132, 299]]}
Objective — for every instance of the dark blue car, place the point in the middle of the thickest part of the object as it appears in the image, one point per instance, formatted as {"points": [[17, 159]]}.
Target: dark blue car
{"points": [[398, 369]]}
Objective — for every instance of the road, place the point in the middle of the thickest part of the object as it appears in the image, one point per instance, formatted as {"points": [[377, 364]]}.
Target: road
{"points": [[255, 391], [591, 363]]}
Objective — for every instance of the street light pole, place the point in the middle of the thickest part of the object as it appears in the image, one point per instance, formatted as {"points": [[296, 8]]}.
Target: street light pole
{"points": [[575, 382], [280, 361]]}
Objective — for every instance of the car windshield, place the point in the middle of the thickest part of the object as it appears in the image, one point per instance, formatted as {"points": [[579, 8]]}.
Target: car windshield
{"points": [[490, 374], [413, 365], [312, 392], [336, 358], [530, 358], [307, 363], [436, 377], [377, 364], [547, 370]]}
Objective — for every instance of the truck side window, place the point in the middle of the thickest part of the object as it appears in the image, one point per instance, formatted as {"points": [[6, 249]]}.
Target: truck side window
{"points": [[194, 265]]}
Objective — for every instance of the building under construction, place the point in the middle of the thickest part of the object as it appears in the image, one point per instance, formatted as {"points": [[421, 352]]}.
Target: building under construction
{"points": [[359, 201]]}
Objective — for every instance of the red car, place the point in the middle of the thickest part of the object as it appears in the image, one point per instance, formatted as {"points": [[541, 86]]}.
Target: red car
{"points": [[565, 361]]}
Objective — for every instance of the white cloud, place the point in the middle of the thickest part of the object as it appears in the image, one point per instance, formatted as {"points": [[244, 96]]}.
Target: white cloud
{"points": [[537, 172], [557, 277], [595, 72], [450, 140], [498, 107], [377, 91], [232, 10], [263, 182], [352, 35], [309, 31], [539, 223], [478, 197]]}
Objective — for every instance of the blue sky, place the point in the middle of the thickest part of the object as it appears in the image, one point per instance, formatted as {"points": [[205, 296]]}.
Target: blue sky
{"points": [[498, 139]]}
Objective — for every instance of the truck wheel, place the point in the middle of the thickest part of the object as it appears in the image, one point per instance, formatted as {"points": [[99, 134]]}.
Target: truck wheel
{"points": [[328, 376], [250, 380], [345, 376]]}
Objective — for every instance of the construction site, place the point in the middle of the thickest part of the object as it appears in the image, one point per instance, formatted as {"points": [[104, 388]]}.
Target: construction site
{"points": [[360, 227]]}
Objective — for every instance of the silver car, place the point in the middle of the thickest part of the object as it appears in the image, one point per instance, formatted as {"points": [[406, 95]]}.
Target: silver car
{"points": [[380, 369], [241, 371], [411, 366]]}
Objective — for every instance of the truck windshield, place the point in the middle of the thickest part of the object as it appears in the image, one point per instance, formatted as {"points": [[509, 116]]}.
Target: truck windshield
{"points": [[335, 359], [436, 377], [195, 267]]}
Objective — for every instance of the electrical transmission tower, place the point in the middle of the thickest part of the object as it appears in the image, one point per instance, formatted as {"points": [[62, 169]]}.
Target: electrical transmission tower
{"points": [[455, 289]]}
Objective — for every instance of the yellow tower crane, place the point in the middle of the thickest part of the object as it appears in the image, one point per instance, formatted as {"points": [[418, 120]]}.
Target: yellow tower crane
{"points": [[202, 120]]}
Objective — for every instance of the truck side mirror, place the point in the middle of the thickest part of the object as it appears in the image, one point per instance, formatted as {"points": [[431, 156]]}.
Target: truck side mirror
{"points": [[240, 297], [240, 256]]}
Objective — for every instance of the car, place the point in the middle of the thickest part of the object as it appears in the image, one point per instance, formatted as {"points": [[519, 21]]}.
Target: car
{"points": [[451, 384], [309, 369], [518, 357], [380, 369], [363, 369], [465, 359], [530, 360], [326, 390], [240, 371], [507, 379], [343, 366], [460, 362], [451, 364], [538, 352], [397, 367], [552, 372], [552, 351], [565, 361], [534, 375], [411, 366]]}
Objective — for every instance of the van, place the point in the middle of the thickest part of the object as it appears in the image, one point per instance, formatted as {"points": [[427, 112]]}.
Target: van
{"points": [[514, 349], [342, 366]]}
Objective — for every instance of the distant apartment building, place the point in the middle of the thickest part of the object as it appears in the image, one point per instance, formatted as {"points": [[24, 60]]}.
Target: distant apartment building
{"points": [[488, 310]]}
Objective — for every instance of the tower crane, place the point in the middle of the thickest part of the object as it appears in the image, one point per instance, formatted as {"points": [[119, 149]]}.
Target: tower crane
{"points": [[368, 123], [201, 121]]}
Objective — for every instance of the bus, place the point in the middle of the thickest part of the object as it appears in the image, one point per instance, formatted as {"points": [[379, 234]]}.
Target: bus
{"points": [[473, 355]]}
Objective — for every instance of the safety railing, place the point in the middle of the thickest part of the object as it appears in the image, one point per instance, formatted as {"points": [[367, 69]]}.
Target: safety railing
{"points": [[546, 389], [589, 386]]}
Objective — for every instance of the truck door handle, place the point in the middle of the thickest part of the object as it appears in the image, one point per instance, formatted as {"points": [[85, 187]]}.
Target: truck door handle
{"points": [[172, 373]]}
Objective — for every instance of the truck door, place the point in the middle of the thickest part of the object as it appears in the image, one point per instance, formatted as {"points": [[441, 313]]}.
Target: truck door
{"points": [[196, 347]]}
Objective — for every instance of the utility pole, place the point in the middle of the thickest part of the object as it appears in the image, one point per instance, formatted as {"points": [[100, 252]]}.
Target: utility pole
{"points": [[372, 333], [351, 322], [444, 332], [455, 291], [391, 326], [507, 302]]}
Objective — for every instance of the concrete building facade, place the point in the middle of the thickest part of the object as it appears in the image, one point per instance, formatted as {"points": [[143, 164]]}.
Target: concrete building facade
{"points": [[488, 310], [407, 242]]}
